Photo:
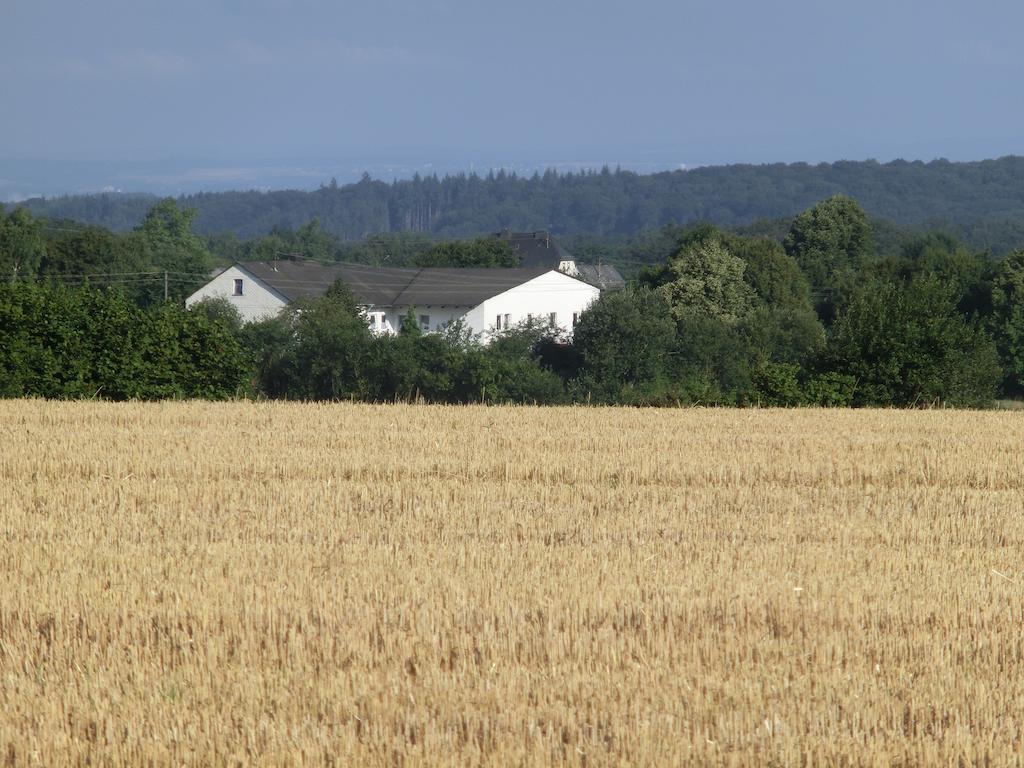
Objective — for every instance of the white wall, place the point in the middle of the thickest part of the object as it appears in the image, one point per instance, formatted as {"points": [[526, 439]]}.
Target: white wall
{"points": [[257, 302], [389, 319], [551, 292]]}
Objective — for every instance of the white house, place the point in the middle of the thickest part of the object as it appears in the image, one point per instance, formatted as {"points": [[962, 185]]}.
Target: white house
{"points": [[485, 299]]}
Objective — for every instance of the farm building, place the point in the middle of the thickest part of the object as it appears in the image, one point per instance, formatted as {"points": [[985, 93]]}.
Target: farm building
{"points": [[486, 300], [540, 249]]}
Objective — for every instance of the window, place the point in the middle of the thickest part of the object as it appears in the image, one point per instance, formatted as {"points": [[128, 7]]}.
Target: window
{"points": [[497, 323], [553, 318], [507, 323], [575, 318], [238, 286], [371, 320], [425, 322]]}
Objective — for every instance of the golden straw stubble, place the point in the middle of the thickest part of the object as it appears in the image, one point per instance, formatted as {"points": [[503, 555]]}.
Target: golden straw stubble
{"points": [[301, 584]]}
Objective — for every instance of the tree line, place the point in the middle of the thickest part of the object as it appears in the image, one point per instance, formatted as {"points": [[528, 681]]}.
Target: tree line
{"points": [[812, 314], [725, 319], [980, 202]]}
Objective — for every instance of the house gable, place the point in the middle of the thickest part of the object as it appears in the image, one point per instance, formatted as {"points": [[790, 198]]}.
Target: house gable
{"points": [[253, 298], [551, 293]]}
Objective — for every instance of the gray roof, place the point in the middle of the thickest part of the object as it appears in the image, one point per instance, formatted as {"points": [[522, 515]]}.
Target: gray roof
{"points": [[391, 286], [603, 276], [535, 249]]}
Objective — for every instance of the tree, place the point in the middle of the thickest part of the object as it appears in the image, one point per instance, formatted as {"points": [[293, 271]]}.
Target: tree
{"points": [[623, 341], [88, 251], [21, 244], [988, 211], [773, 274], [706, 279], [193, 354], [66, 343], [326, 357], [831, 242], [941, 255], [268, 346], [314, 243], [784, 335], [481, 252], [1007, 321], [410, 324], [166, 240], [908, 345], [710, 361]]}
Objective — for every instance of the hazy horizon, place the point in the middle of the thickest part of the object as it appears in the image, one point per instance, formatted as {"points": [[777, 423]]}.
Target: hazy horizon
{"points": [[222, 94]]}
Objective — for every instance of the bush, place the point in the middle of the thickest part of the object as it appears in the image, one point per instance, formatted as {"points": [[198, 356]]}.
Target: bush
{"points": [[61, 343], [909, 346], [830, 390], [777, 384]]}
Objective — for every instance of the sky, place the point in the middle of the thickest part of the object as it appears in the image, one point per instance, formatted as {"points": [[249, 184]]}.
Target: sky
{"points": [[222, 93]]}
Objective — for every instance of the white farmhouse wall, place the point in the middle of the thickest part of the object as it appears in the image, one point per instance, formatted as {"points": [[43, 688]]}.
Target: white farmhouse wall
{"points": [[552, 292], [389, 321], [257, 302]]}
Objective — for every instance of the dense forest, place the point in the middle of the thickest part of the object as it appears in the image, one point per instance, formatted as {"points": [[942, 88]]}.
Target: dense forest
{"points": [[982, 203]]}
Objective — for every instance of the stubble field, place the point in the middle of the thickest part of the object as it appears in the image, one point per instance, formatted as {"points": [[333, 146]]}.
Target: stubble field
{"points": [[224, 584]]}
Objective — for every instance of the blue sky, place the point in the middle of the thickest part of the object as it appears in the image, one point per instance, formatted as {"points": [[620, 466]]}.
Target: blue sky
{"points": [[220, 85]]}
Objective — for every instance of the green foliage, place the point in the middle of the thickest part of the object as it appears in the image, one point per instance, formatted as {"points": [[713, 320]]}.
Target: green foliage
{"points": [[410, 324], [388, 249], [521, 381], [326, 357], [56, 342], [831, 242], [784, 335], [940, 255], [481, 252], [21, 244], [910, 346], [92, 253], [1007, 321], [267, 346], [166, 241], [777, 384], [718, 318], [711, 361], [982, 202], [623, 341], [830, 390], [220, 310], [773, 275], [706, 279]]}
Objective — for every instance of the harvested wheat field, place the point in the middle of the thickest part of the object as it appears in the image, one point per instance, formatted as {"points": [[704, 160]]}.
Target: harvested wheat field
{"points": [[225, 584]]}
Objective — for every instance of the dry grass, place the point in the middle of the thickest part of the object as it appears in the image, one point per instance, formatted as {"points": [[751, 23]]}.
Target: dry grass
{"points": [[291, 584]]}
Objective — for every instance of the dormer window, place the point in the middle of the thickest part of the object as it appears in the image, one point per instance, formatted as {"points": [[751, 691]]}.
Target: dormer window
{"points": [[238, 287]]}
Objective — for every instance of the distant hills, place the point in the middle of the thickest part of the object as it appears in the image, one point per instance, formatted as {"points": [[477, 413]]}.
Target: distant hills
{"points": [[981, 202]]}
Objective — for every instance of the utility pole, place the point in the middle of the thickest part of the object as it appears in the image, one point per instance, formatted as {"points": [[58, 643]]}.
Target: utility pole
{"points": [[165, 285]]}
